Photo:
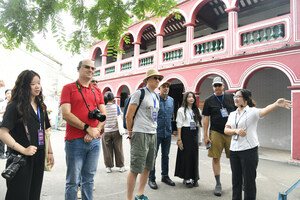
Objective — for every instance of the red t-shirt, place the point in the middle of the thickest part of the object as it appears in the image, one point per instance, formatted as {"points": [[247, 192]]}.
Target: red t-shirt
{"points": [[70, 94]]}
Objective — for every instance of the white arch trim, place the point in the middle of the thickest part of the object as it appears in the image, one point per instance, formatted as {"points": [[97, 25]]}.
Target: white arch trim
{"points": [[226, 2], [176, 10], [209, 72], [179, 77], [124, 83], [270, 64], [125, 33], [107, 86], [143, 25]]}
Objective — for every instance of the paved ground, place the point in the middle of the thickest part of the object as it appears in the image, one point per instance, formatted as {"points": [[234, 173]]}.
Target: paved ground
{"points": [[274, 175]]}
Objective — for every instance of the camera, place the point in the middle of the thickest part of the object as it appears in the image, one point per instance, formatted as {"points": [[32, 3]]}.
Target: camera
{"points": [[95, 114], [17, 161]]}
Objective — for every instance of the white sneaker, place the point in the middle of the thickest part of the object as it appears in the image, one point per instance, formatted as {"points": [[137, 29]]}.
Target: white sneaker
{"points": [[108, 170], [122, 169]]}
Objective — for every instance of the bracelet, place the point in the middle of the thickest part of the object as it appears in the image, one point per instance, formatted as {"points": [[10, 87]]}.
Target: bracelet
{"points": [[50, 152], [129, 138], [13, 146], [178, 139]]}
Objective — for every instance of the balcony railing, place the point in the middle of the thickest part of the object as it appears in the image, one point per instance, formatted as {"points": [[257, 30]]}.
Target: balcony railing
{"points": [[208, 47], [97, 73], [263, 35], [110, 70], [126, 66], [173, 55], [147, 61]]}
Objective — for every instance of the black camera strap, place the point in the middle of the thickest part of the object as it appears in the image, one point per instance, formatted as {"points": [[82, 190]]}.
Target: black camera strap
{"points": [[79, 88]]}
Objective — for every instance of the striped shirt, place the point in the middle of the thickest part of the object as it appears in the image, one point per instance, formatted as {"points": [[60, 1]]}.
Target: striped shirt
{"points": [[111, 123]]}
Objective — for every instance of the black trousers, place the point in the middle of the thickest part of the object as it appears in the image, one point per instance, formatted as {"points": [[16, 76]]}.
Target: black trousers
{"points": [[243, 166], [27, 183]]}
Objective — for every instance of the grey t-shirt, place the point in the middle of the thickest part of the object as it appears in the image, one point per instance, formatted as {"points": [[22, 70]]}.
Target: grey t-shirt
{"points": [[143, 121]]}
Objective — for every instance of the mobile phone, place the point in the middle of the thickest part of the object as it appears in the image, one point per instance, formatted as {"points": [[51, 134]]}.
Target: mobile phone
{"points": [[208, 145], [181, 148]]}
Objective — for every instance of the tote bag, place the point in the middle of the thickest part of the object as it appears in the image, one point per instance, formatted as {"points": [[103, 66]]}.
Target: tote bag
{"points": [[120, 122]]}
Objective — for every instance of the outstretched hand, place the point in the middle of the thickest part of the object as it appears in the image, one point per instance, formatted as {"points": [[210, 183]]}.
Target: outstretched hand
{"points": [[283, 103]]}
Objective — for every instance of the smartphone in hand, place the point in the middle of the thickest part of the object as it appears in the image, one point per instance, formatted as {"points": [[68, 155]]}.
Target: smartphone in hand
{"points": [[208, 145]]}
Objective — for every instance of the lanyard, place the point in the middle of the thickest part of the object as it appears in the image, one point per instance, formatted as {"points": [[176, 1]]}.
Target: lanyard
{"points": [[79, 88], [154, 101], [237, 122], [38, 111], [190, 114], [221, 102]]}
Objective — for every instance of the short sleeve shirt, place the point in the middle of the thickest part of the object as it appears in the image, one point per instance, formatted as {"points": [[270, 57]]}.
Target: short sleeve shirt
{"points": [[70, 94], [143, 120], [212, 108], [11, 121], [248, 119]]}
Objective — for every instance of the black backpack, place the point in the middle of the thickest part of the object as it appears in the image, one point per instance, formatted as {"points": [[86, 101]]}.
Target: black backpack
{"points": [[126, 104]]}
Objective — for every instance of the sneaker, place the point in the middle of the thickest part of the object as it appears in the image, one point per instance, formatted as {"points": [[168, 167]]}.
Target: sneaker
{"points": [[122, 169], [2, 156], [79, 193], [188, 183], [108, 170], [142, 197], [218, 190], [152, 184]]}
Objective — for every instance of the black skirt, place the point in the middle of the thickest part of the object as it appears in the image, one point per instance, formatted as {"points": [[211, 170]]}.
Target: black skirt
{"points": [[187, 161]]}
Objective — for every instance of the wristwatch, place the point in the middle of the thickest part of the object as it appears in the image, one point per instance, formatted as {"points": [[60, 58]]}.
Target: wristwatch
{"points": [[86, 127]]}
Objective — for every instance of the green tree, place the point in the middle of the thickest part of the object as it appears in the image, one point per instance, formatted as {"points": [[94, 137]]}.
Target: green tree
{"points": [[94, 20]]}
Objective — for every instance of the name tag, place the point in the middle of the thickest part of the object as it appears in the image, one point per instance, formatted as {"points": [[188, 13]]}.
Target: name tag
{"points": [[41, 137], [192, 125], [154, 116], [224, 112]]}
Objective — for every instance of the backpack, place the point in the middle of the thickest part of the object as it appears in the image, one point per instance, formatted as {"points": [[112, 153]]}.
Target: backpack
{"points": [[126, 104]]}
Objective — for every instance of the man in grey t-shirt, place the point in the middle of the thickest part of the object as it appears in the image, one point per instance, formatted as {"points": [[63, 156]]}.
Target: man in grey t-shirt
{"points": [[142, 134]]}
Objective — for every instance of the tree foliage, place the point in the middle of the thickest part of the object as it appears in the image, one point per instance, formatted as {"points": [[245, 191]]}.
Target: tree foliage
{"points": [[93, 20]]}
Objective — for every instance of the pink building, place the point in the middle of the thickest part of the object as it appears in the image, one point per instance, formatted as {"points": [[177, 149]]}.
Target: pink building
{"points": [[253, 44]]}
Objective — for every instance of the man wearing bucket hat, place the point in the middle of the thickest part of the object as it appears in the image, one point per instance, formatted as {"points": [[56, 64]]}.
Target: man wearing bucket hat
{"points": [[216, 111], [141, 126], [164, 132]]}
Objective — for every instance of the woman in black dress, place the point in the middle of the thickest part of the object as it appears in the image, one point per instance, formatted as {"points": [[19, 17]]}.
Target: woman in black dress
{"points": [[188, 128], [23, 128]]}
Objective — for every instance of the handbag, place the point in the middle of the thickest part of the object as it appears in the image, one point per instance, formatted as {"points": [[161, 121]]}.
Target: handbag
{"points": [[47, 166], [120, 122]]}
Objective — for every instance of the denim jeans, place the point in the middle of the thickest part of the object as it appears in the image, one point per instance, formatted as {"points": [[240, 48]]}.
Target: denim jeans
{"points": [[82, 160], [165, 149]]}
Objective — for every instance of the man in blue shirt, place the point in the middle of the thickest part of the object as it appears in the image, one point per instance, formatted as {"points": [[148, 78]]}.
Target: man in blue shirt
{"points": [[164, 132]]}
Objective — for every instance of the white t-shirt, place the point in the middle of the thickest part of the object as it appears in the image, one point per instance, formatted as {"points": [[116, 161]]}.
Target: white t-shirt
{"points": [[248, 119], [3, 105], [184, 120], [143, 121]]}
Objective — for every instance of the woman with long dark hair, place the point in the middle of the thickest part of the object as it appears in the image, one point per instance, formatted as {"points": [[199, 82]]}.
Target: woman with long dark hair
{"points": [[189, 138], [23, 129], [242, 125]]}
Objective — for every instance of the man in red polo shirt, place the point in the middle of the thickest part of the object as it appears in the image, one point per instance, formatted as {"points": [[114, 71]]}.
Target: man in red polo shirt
{"points": [[80, 104]]}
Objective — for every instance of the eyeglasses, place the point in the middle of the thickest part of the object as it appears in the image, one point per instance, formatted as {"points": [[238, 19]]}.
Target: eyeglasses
{"points": [[89, 67], [217, 85], [157, 78], [237, 96], [94, 81]]}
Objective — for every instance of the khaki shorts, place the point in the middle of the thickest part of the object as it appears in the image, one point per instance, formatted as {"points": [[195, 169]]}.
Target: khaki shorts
{"points": [[219, 142], [143, 152]]}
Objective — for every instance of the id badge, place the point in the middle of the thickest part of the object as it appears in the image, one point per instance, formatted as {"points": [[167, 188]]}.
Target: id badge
{"points": [[192, 125], [154, 116], [41, 137], [224, 112]]}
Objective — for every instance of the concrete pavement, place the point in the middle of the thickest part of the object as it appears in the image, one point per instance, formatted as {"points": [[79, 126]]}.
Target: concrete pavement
{"points": [[274, 175]]}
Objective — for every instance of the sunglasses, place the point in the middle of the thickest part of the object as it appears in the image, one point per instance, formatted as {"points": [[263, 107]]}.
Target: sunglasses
{"points": [[89, 67], [94, 81], [157, 78], [218, 85]]}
